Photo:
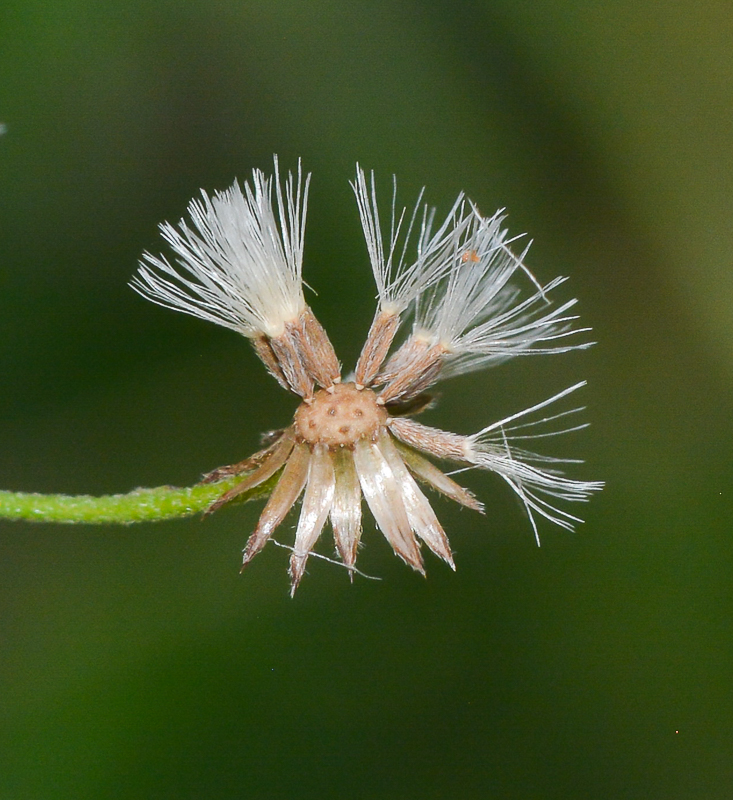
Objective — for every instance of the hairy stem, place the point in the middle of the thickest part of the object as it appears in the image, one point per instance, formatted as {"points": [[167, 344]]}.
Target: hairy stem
{"points": [[139, 505]]}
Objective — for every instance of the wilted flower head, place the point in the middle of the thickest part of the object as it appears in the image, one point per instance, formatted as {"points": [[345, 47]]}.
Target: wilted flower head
{"points": [[471, 302]]}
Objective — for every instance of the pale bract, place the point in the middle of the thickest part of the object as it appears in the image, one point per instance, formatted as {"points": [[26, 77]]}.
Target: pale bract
{"points": [[468, 301]]}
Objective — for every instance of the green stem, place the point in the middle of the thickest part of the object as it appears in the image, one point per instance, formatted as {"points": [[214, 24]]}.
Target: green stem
{"points": [[140, 505]]}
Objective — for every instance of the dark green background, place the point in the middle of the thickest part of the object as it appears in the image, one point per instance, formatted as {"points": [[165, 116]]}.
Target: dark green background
{"points": [[136, 662]]}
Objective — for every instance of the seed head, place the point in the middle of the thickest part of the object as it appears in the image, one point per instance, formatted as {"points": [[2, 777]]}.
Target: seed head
{"points": [[463, 289]]}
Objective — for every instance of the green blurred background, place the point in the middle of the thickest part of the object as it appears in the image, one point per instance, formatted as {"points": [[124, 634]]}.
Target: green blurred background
{"points": [[136, 662]]}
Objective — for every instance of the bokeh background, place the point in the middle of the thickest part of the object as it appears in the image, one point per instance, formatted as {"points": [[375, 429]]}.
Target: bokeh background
{"points": [[136, 661]]}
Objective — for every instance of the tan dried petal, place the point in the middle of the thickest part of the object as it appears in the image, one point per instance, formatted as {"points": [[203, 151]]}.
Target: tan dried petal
{"points": [[247, 465], [314, 511], [379, 339], [282, 499], [286, 351], [415, 347], [318, 356], [417, 375], [427, 471], [264, 350], [346, 508], [382, 493], [441, 444], [274, 460], [419, 511]]}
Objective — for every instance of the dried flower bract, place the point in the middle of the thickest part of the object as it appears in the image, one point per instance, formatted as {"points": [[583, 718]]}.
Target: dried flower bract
{"points": [[471, 303]]}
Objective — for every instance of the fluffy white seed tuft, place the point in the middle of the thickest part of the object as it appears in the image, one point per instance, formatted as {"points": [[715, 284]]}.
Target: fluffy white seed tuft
{"points": [[537, 479], [477, 313], [238, 264], [400, 280]]}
